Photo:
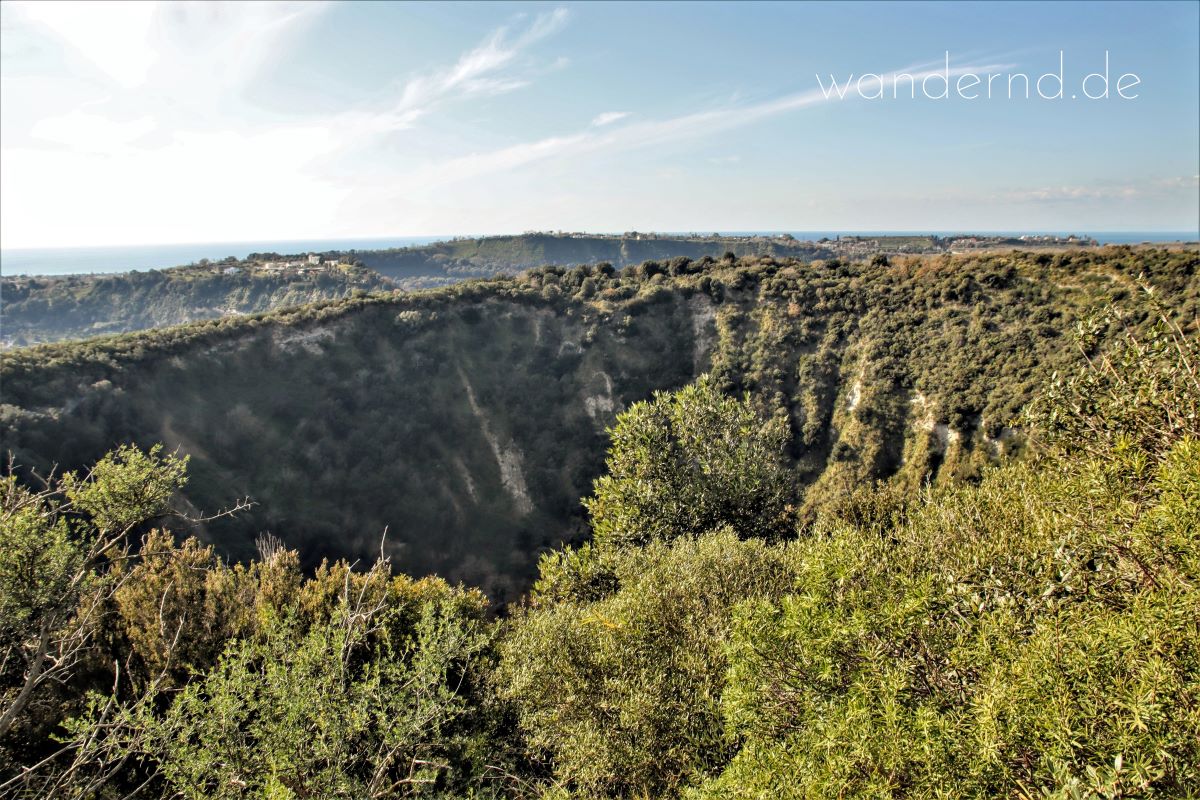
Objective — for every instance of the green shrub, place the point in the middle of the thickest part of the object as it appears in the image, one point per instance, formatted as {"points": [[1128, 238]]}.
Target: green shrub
{"points": [[1033, 635], [620, 696], [690, 462]]}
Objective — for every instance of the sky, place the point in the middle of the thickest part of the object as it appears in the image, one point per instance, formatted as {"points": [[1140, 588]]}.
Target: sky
{"points": [[149, 123]]}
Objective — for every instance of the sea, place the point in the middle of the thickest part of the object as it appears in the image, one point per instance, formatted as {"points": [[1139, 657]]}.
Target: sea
{"points": [[83, 260]]}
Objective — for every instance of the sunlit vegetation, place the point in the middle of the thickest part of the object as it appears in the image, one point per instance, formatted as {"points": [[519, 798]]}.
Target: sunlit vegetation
{"points": [[444, 262], [1032, 633], [468, 421], [50, 309]]}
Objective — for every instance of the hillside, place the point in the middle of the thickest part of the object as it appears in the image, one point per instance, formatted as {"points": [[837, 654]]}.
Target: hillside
{"points": [[35, 310], [443, 262], [49, 309], [468, 421], [1028, 631]]}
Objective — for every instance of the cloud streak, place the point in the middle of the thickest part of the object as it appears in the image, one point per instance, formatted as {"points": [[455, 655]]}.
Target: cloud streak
{"points": [[148, 44], [478, 72], [637, 135], [164, 74], [160, 67], [608, 118], [1128, 191], [114, 38]]}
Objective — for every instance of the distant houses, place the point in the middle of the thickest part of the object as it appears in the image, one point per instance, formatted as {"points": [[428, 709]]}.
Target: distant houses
{"points": [[259, 263]]}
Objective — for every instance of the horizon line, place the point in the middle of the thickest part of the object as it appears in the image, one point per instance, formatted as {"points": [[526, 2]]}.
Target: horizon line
{"points": [[434, 238]]}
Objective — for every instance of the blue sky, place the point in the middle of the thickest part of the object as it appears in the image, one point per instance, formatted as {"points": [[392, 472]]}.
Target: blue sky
{"points": [[144, 123]]}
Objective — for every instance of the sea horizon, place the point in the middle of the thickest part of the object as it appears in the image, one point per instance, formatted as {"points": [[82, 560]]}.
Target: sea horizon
{"points": [[115, 259]]}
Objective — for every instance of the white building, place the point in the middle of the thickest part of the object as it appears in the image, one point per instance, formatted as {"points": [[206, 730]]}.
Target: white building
{"points": [[313, 258]]}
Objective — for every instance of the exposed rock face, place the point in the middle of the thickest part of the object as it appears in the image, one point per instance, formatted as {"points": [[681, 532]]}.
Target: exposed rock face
{"points": [[508, 455], [309, 340], [601, 406], [704, 334]]}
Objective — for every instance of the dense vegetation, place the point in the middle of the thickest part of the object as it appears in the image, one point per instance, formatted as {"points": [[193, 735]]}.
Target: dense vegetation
{"points": [[1034, 633], [45, 309], [442, 262], [49, 309], [468, 421]]}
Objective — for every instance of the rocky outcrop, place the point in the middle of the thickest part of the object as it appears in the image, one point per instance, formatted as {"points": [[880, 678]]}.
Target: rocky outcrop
{"points": [[508, 455]]}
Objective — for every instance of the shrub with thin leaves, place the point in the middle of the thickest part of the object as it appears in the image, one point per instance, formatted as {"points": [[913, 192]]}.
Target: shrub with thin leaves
{"points": [[1036, 635], [319, 714], [620, 696], [1145, 388]]}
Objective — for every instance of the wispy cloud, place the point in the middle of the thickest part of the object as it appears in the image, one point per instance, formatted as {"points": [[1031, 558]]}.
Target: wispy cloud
{"points": [[149, 128], [480, 71], [201, 53], [140, 44], [608, 118], [92, 132], [649, 133], [155, 67], [1110, 191], [114, 38]]}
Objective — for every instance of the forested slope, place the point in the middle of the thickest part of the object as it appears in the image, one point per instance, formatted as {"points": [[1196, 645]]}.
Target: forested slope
{"points": [[48, 309], [1032, 634], [490, 255], [469, 421]]}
